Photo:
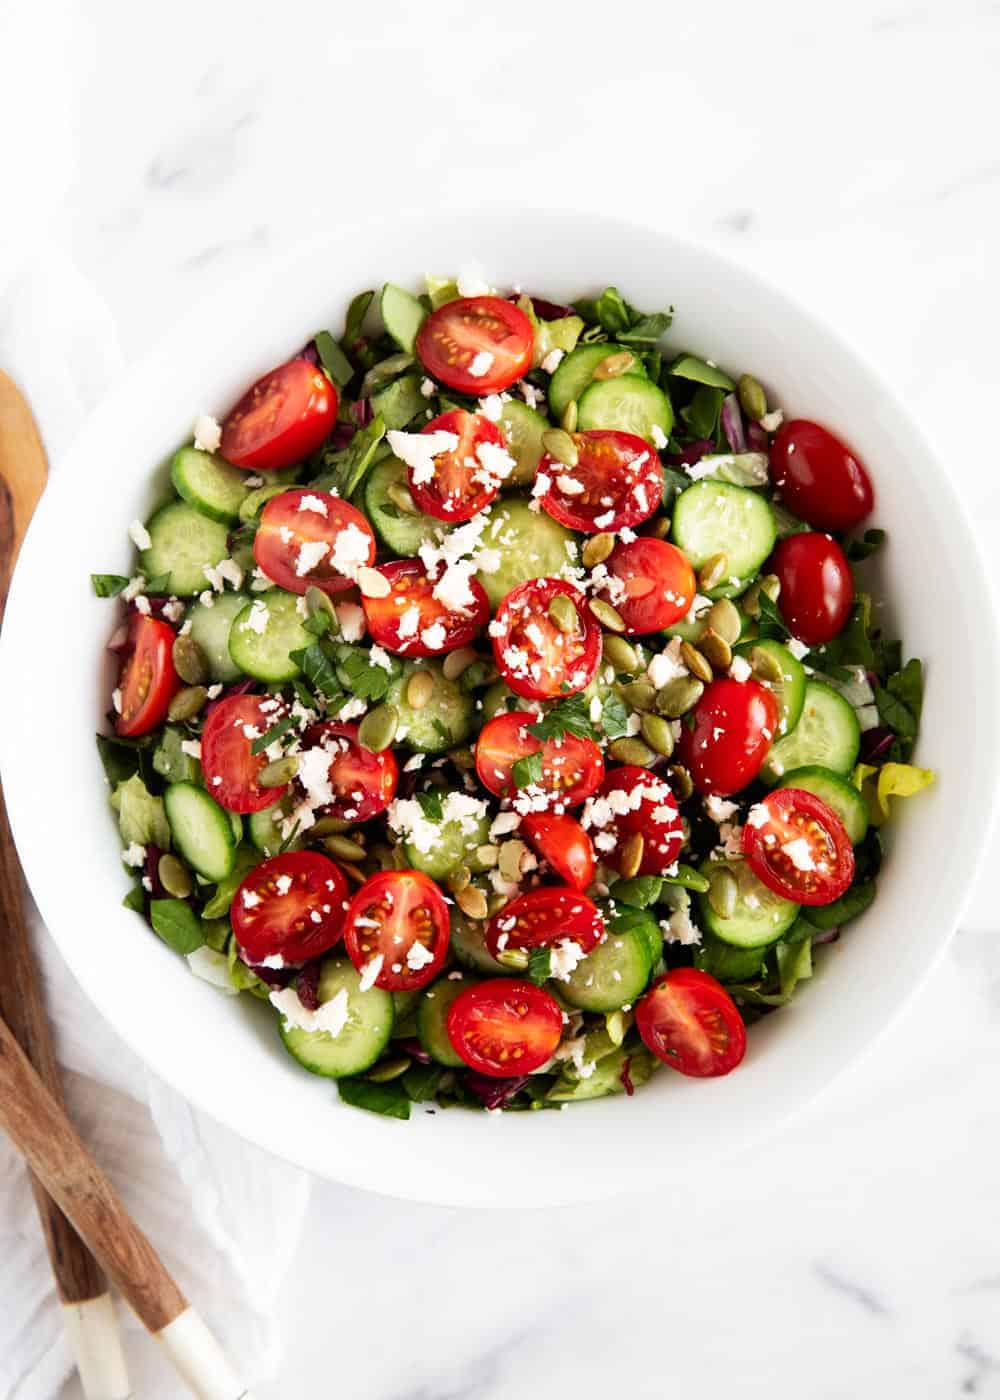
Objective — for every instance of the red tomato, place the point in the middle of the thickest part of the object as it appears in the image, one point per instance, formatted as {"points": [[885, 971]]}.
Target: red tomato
{"points": [[291, 907], [360, 783], [817, 588], [147, 682], [306, 537], [535, 658], [542, 918], [465, 476], [656, 584], [819, 478], [798, 847], [734, 724], [572, 768], [477, 345], [503, 1027], [410, 620], [398, 917], [648, 808], [617, 481], [564, 844], [284, 417], [689, 1021], [229, 767]]}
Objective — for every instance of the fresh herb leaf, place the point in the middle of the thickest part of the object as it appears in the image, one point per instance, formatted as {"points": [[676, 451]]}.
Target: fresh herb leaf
{"points": [[318, 623], [356, 313], [390, 1100], [674, 482], [289, 840], [852, 646], [570, 716], [360, 676], [527, 770], [794, 965], [770, 615], [699, 371], [141, 815], [900, 700], [614, 717], [620, 320], [689, 879], [886, 657], [539, 965], [441, 730], [400, 402], [864, 548], [430, 805], [345, 468], [727, 963], [177, 924], [640, 892], [108, 585], [160, 583], [422, 1082], [273, 734], [304, 695], [218, 906], [702, 414], [317, 668], [647, 330], [120, 760], [333, 359], [135, 899]]}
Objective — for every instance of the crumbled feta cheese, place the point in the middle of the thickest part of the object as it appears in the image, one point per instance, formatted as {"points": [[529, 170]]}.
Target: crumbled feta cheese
{"points": [[352, 709], [481, 364], [471, 282], [116, 700], [741, 669], [603, 521], [352, 621], [207, 433], [772, 421], [564, 957], [799, 854], [659, 437], [666, 665], [418, 451], [418, 956], [757, 816], [192, 747], [331, 1017], [428, 388], [134, 854], [214, 691], [370, 972], [491, 407], [719, 809], [797, 648], [173, 610], [551, 362], [139, 535], [408, 624], [257, 618], [413, 764], [213, 968], [680, 929], [313, 552], [142, 604], [434, 637], [314, 503]]}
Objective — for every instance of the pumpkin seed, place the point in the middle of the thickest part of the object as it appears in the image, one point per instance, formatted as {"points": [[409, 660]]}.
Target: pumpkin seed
{"points": [[678, 696], [355, 873], [344, 848], [724, 619], [615, 365], [658, 735], [597, 549], [401, 498], [620, 653], [329, 826], [512, 855], [419, 689], [560, 445], [487, 855], [459, 879], [569, 417], [280, 772], [472, 902], [564, 614], [633, 849], [765, 666], [463, 759], [683, 786], [514, 958], [631, 750], [712, 572], [695, 662], [378, 728], [722, 892], [495, 903], [639, 695], [609, 617], [456, 662], [715, 649], [372, 583], [187, 703], [753, 400], [750, 602], [320, 604], [174, 877], [189, 661], [661, 527], [388, 1070]]}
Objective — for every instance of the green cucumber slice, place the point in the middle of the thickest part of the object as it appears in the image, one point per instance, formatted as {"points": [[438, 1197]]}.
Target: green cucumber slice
{"points": [[576, 371], [713, 517], [627, 404], [402, 315], [837, 792], [444, 721], [615, 973], [183, 543], [210, 628], [366, 1032], [264, 654], [468, 943], [790, 691], [523, 427], [530, 544], [201, 830], [456, 845], [214, 487], [264, 832], [760, 916], [432, 1017], [826, 736], [401, 532]]}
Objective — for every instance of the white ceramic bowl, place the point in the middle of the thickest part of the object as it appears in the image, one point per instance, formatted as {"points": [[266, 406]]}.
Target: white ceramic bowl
{"points": [[224, 1053]]}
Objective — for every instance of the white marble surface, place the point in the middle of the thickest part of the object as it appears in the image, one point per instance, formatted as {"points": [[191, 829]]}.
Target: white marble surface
{"points": [[853, 157]]}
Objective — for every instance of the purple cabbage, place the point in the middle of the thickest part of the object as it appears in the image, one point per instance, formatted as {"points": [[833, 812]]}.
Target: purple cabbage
{"points": [[756, 438], [151, 871], [545, 310], [342, 435], [827, 935], [493, 1093], [307, 985], [876, 743], [692, 453], [625, 1077], [310, 354], [732, 423], [362, 412], [412, 1047]]}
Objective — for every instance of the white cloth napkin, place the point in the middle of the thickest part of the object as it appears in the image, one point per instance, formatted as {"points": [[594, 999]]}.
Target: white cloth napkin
{"points": [[224, 1215]]}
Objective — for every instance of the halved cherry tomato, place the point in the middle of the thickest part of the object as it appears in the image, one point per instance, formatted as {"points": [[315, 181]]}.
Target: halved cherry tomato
{"points": [[308, 538], [617, 481], [819, 478], [477, 345], [352, 783], [284, 417], [798, 847], [504, 1027], [730, 732], [817, 587], [572, 768], [400, 918], [229, 767], [652, 584], [563, 842], [536, 658], [148, 681], [465, 476], [641, 803], [689, 1021], [544, 917], [410, 620], [290, 906]]}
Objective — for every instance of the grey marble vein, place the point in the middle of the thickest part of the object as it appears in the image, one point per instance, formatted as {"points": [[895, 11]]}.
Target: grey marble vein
{"points": [[864, 1297]]}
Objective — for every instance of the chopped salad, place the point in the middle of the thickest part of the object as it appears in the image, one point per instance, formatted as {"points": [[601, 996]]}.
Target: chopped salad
{"points": [[500, 700]]}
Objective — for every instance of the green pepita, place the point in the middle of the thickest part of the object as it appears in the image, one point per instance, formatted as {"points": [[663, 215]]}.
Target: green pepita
{"points": [[514, 958], [609, 618], [615, 365], [401, 498], [419, 689], [487, 856], [597, 549], [174, 877], [695, 662], [344, 848], [456, 662], [722, 892], [187, 703], [715, 649], [459, 879], [569, 417], [678, 696], [512, 855], [765, 666], [619, 653], [661, 527], [658, 735], [388, 1070], [560, 445], [472, 902], [563, 613], [724, 619], [280, 772], [632, 852], [329, 826], [319, 604], [631, 750], [682, 783], [712, 572], [753, 400], [639, 695], [189, 661], [769, 584], [378, 728]]}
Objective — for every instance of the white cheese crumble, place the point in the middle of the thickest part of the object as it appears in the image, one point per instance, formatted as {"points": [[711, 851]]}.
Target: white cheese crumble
{"points": [[659, 437], [116, 700], [719, 809], [213, 968], [772, 421], [370, 972], [740, 670], [331, 1017], [564, 957], [314, 503], [799, 854], [679, 928], [666, 665], [435, 636], [471, 282], [418, 956], [428, 388], [757, 816], [482, 364], [139, 535], [418, 451], [207, 433], [311, 553], [192, 747], [134, 855], [551, 362], [352, 621], [257, 618], [797, 648]]}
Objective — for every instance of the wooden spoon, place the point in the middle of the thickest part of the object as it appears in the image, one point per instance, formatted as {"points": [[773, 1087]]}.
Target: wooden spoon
{"points": [[77, 1204]]}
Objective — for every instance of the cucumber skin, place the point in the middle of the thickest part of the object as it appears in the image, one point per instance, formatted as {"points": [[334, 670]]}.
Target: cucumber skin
{"points": [[797, 739], [824, 783], [537, 548], [182, 519], [261, 656], [657, 410], [693, 503], [232, 483], [432, 1013], [208, 623], [316, 1051], [402, 315], [574, 374], [794, 689], [402, 535], [523, 428], [636, 956], [179, 800], [725, 930]]}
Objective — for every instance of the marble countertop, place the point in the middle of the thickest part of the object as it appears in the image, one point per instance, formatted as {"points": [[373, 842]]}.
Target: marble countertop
{"points": [[855, 160]]}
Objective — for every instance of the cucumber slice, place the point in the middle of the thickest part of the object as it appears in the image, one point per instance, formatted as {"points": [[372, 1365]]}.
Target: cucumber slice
{"points": [[826, 736], [523, 427], [209, 483], [628, 404], [365, 1035], [402, 315], [760, 916], [576, 371], [401, 532], [606, 1078], [790, 691], [616, 972], [170, 760], [444, 721], [468, 943], [265, 654], [400, 402], [183, 544], [210, 628], [455, 845], [432, 1016], [839, 794], [530, 544], [263, 830], [713, 517], [201, 830]]}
